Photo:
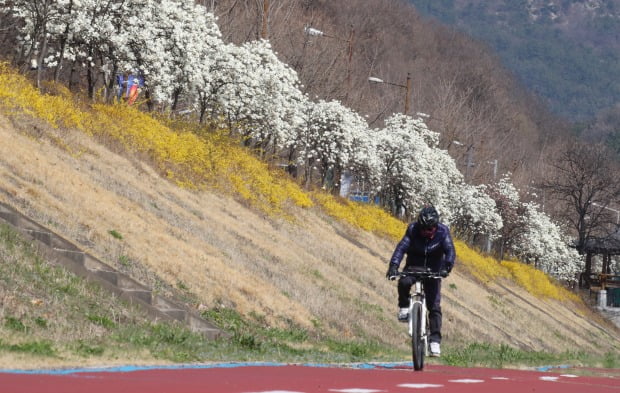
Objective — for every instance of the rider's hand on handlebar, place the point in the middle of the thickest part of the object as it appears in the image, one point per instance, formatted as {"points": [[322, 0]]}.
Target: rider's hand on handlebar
{"points": [[392, 272], [444, 273]]}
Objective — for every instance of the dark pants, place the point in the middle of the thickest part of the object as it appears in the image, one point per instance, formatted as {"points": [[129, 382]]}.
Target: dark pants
{"points": [[432, 290]]}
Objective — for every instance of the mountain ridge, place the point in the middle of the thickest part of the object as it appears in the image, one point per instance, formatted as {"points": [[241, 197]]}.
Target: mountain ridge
{"points": [[564, 51]]}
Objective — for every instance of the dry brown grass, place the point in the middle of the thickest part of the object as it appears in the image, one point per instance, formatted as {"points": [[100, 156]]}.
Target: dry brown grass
{"points": [[312, 272]]}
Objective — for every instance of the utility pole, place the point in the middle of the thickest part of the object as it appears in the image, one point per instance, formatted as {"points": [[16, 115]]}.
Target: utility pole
{"points": [[408, 89], [406, 86], [470, 160], [264, 30], [311, 31], [350, 44]]}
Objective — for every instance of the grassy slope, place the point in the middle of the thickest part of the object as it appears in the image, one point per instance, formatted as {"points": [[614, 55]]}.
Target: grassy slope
{"points": [[315, 282]]}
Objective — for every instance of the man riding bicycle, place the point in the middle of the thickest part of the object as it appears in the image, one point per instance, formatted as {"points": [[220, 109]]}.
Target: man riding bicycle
{"points": [[428, 244]]}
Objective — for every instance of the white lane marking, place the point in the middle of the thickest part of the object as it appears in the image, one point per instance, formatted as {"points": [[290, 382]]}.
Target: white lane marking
{"points": [[549, 378], [419, 385], [356, 390], [466, 380], [276, 391], [569, 376], [501, 378]]}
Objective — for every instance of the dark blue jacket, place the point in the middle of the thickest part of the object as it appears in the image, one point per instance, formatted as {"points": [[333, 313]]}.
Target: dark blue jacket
{"points": [[436, 253]]}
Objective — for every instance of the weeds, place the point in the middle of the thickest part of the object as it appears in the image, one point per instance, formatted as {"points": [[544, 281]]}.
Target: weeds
{"points": [[115, 234], [255, 340], [101, 321], [500, 356], [15, 324], [611, 360], [37, 348], [124, 261], [87, 350]]}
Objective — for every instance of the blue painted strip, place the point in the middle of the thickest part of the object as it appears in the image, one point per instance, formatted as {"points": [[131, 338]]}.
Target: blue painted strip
{"points": [[126, 369], [547, 368]]}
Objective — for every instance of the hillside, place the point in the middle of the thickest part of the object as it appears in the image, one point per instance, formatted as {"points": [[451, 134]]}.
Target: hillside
{"points": [[299, 269], [565, 51], [470, 96]]}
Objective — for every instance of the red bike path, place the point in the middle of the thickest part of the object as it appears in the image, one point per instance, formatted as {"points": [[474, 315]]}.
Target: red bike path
{"points": [[273, 378]]}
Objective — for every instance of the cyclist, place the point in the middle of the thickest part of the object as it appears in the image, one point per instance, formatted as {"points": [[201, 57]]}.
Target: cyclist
{"points": [[428, 244]]}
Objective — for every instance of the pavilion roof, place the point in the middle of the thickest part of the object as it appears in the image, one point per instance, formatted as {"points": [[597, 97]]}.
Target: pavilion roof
{"points": [[604, 245]]}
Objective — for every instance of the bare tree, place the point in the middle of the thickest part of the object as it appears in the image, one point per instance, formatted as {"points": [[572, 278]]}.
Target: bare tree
{"points": [[585, 181]]}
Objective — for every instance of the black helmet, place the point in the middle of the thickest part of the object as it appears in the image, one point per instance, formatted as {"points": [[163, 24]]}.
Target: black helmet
{"points": [[428, 217]]}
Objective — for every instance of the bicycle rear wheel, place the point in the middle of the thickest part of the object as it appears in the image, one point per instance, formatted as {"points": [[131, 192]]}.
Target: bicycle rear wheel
{"points": [[417, 342]]}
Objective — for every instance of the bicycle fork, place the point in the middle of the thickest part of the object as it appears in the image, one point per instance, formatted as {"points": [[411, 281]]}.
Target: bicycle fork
{"points": [[419, 298]]}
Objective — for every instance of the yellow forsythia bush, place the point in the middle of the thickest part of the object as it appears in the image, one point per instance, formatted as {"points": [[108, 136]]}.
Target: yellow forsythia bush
{"points": [[487, 269], [196, 158], [363, 215], [16, 92], [537, 283], [484, 268], [191, 159], [196, 161]]}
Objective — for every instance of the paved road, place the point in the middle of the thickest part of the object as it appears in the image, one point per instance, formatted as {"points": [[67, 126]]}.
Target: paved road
{"points": [[274, 378]]}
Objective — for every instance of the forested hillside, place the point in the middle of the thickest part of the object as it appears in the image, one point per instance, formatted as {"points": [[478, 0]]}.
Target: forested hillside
{"points": [[487, 121], [473, 101], [565, 51], [470, 141]]}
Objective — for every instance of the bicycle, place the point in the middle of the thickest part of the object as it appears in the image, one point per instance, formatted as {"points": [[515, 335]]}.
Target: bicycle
{"points": [[418, 314]]}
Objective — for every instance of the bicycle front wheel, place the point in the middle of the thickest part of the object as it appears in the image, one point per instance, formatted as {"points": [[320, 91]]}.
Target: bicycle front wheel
{"points": [[417, 341]]}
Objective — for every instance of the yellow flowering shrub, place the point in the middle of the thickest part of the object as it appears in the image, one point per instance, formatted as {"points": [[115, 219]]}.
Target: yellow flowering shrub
{"points": [[362, 215], [191, 159], [16, 92], [538, 283], [486, 269], [483, 267], [196, 157]]}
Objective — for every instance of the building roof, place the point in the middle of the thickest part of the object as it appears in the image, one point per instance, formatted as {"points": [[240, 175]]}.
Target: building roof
{"points": [[604, 245]]}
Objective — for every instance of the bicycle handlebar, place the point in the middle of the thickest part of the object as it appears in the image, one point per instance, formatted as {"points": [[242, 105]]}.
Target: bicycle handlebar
{"points": [[419, 274]]}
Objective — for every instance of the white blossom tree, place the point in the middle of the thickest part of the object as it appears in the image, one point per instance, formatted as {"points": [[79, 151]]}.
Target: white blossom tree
{"points": [[545, 245], [173, 43], [42, 24], [326, 141], [259, 95], [177, 47], [474, 212], [531, 235], [90, 36]]}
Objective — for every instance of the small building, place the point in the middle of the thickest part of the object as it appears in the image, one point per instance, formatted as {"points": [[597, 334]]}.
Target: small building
{"points": [[606, 282]]}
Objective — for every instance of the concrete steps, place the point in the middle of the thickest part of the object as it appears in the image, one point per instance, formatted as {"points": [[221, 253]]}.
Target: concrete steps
{"points": [[59, 251]]}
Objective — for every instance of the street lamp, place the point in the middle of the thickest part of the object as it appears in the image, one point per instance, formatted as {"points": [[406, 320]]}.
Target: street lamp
{"points": [[494, 163], [406, 86], [469, 151], [311, 31], [613, 210]]}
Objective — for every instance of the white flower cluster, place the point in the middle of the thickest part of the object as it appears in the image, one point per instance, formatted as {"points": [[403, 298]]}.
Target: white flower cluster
{"points": [[328, 139], [177, 47], [538, 239]]}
